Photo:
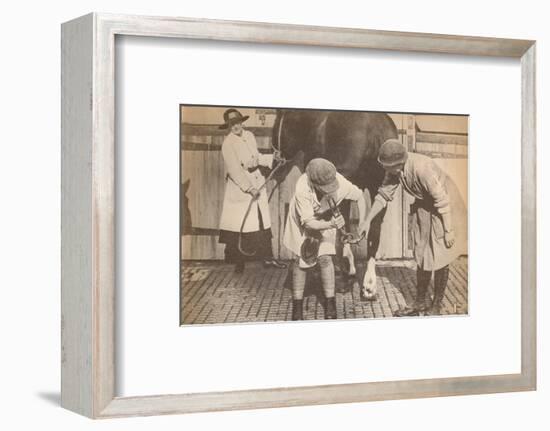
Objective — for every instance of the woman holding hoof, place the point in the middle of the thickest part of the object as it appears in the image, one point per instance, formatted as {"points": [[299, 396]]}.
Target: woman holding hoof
{"points": [[311, 229]]}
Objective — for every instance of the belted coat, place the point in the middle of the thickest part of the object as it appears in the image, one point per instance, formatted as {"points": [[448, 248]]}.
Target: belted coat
{"points": [[242, 160]]}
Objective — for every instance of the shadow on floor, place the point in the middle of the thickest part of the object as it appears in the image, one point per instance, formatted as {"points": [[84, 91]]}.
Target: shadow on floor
{"points": [[53, 398]]}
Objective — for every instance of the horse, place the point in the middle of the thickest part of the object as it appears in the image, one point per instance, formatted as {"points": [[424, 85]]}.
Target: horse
{"points": [[350, 140]]}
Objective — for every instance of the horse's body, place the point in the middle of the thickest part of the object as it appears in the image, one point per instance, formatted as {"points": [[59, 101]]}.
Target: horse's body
{"points": [[351, 141]]}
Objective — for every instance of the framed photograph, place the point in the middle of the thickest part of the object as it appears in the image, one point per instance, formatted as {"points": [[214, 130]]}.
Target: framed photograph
{"points": [[243, 256], [263, 215]]}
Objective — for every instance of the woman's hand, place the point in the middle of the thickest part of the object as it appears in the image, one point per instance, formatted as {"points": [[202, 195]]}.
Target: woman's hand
{"points": [[449, 238], [363, 229], [254, 192], [277, 158]]}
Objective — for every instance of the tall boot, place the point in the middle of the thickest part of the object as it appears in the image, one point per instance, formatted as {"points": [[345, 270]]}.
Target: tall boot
{"points": [[330, 308], [297, 309], [419, 306], [441, 277]]}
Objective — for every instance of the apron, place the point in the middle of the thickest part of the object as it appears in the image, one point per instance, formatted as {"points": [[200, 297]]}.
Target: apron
{"points": [[429, 249]]}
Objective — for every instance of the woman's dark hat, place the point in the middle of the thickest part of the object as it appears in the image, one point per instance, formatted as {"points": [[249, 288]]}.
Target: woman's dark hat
{"points": [[231, 117], [392, 153]]}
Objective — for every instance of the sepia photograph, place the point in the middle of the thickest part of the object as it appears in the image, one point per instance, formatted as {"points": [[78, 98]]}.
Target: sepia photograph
{"points": [[291, 214]]}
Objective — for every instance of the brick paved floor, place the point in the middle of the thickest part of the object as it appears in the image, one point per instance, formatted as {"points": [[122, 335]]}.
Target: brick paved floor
{"points": [[213, 293]]}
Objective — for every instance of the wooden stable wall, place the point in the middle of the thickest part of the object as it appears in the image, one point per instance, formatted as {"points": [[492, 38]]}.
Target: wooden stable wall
{"points": [[202, 188]]}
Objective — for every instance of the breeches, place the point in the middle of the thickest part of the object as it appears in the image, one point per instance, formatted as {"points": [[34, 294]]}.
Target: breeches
{"points": [[327, 277]]}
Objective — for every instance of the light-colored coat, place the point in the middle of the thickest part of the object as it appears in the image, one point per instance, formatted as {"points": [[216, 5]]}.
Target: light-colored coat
{"points": [[305, 206], [435, 194], [241, 160]]}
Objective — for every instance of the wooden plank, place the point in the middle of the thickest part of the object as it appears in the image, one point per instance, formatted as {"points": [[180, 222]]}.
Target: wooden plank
{"points": [[77, 363], [312, 395], [204, 175], [209, 130], [202, 172], [241, 31], [201, 248], [445, 139]]}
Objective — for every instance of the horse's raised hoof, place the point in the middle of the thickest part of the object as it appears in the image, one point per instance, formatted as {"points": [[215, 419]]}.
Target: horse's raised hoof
{"points": [[371, 297]]}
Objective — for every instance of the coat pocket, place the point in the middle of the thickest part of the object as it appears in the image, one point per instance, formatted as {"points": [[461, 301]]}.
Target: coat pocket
{"points": [[437, 227]]}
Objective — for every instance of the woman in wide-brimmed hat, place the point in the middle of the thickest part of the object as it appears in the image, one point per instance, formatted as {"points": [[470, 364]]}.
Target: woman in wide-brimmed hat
{"points": [[243, 181], [439, 218]]}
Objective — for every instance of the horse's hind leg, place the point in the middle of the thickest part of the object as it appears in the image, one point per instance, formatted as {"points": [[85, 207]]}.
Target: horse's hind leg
{"points": [[348, 254]]}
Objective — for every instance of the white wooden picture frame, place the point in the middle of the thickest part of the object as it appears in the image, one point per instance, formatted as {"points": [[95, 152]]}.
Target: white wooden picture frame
{"points": [[88, 214]]}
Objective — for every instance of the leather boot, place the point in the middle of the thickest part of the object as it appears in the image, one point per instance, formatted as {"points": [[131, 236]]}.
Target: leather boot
{"points": [[330, 308], [297, 309], [441, 277], [419, 305]]}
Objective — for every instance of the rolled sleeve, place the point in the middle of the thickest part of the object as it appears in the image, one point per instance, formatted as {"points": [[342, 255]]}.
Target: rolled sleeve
{"points": [[304, 207], [348, 190]]}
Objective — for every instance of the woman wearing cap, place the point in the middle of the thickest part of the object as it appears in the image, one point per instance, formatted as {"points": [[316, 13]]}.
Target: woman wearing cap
{"points": [[317, 190], [243, 181], [439, 218]]}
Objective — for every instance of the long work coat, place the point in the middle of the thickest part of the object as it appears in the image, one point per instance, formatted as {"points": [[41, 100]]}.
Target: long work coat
{"points": [[242, 159], [435, 194], [305, 206]]}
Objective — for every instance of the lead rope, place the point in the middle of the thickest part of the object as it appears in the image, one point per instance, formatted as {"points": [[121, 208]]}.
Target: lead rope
{"points": [[282, 163]]}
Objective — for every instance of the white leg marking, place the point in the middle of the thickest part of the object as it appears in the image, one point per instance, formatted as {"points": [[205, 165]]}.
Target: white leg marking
{"points": [[369, 281], [347, 253]]}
